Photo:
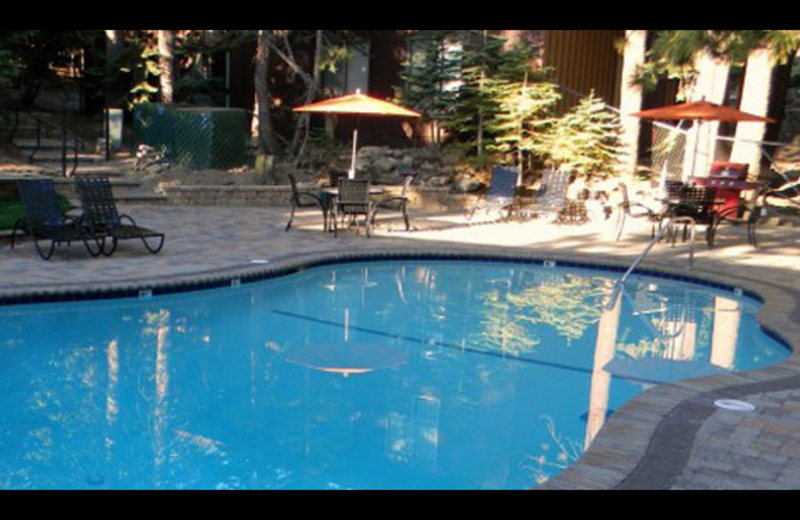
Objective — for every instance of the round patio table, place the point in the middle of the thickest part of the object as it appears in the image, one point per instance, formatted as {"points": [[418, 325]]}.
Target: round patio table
{"points": [[330, 193]]}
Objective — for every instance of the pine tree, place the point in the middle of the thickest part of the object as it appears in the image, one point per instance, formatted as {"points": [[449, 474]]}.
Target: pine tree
{"points": [[476, 105], [587, 138], [524, 119], [430, 74], [504, 108]]}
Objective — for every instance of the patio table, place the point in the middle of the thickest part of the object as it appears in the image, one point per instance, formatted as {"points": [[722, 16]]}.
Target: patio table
{"points": [[330, 194]]}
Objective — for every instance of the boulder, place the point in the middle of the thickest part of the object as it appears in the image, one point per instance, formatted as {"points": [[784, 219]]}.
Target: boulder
{"points": [[466, 185], [438, 182]]}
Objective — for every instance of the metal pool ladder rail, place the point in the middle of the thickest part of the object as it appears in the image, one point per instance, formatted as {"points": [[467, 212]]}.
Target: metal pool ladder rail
{"points": [[659, 236]]}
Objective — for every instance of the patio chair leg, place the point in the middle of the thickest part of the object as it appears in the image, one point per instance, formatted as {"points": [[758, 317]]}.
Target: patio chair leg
{"points": [[45, 254], [335, 222], [751, 235], [406, 219], [17, 227], [291, 219], [155, 250], [100, 243], [620, 225], [114, 244]]}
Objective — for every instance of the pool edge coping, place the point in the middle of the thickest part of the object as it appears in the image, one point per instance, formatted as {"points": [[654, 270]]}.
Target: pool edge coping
{"points": [[643, 446]]}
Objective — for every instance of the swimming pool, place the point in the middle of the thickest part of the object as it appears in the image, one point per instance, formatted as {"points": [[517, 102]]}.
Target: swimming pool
{"points": [[418, 374]]}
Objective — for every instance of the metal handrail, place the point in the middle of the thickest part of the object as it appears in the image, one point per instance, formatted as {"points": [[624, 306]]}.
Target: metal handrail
{"points": [[660, 236], [68, 139]]}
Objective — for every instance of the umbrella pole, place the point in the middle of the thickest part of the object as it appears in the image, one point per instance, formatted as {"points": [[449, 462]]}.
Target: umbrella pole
{"points": [[352, 173], [696, 150]]}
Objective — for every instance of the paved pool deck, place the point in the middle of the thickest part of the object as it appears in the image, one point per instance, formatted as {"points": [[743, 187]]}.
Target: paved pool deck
{"points": [[670, 437]]}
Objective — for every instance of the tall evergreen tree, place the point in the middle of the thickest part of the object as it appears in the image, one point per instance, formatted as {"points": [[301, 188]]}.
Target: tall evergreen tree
{"points": [[588, 138], [431, 73]]}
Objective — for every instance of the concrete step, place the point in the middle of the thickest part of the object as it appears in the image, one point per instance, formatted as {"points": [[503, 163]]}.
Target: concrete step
{"points": [[84, 168], [140, 197], [46, 143], [94, 171], [54, 156]]}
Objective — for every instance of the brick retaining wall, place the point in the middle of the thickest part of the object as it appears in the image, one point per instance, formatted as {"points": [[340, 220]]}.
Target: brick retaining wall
{"points": [[428, 199]]}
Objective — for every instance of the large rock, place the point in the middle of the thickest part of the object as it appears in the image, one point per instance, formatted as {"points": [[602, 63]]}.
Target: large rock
{"points": [[466, 185], [438, 182]]}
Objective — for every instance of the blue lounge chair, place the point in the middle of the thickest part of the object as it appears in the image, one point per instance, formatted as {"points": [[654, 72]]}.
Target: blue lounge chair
{"points": [[101, 217], [45, 221], [501, 195]]}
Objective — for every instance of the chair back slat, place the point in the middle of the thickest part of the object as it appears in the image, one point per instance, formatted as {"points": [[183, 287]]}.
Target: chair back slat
{"points": [[99, 207], [40, 204]]}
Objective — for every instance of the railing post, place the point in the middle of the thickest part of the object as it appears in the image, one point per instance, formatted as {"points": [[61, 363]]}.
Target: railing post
{"points": [[75, 157], [107, 123], [64, 145]]}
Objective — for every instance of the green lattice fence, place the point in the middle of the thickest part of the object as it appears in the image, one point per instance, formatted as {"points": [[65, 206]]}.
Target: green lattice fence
{"points": [[195, 138]]}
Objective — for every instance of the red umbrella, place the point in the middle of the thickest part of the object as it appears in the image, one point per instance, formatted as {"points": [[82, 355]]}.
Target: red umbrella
{"points": [[359, 105], [701, 111]]}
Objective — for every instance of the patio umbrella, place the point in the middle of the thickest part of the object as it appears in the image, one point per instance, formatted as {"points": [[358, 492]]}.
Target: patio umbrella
{"points": [[700, 111], [346, 359], [358, 105]]}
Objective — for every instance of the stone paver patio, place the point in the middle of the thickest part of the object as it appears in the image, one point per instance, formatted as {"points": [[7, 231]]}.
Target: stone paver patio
{"points": [[669, 437]]}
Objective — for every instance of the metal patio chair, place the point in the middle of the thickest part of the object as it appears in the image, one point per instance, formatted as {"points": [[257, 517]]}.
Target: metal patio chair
{"points": [[102, 218], [45, 221], [304, 199], [635, 210], [352, 202], [398, 204], [695, 206]]}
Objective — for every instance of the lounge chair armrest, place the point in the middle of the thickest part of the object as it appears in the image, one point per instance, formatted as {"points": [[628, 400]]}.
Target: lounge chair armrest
{"points": [[129, 219]]}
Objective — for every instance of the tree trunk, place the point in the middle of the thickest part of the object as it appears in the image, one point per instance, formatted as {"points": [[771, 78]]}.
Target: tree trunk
{"points": [[710, 85], [166, 51], [267, 139], [632, 98], [755, 100], [303, 126], [115, 45]]}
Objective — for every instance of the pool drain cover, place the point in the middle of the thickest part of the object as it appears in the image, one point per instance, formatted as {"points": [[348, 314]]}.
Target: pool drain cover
{"points": [[732, 405]]}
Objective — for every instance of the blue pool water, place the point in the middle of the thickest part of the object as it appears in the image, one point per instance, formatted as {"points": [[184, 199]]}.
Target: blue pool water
{"points": [[413, 374]]}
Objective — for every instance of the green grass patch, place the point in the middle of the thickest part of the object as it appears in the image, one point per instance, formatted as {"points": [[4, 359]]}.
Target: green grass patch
{"points": [[11, 211]]}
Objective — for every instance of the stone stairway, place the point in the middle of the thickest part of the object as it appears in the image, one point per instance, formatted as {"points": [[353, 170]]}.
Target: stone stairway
{"points": [[44, 154]]}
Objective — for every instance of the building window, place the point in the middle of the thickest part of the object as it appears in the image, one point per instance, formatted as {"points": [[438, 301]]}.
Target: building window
{"points": [[352, 73]]}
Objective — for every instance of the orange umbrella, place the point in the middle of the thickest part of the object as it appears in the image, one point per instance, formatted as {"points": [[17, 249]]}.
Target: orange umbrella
{"points": [[359, 105], [346, 359], [701, 111]]}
